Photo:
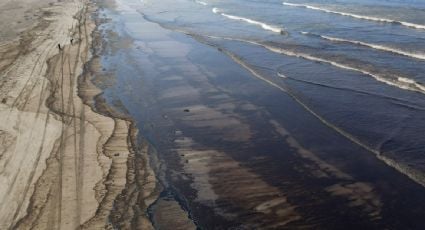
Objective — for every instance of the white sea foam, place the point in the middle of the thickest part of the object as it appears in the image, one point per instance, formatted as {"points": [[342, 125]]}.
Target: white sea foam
{"points": [[263, 25], [374, 46], [215, 10], [281, 75], [400, 82], [408, 24], [201, 2], [406, 80]]}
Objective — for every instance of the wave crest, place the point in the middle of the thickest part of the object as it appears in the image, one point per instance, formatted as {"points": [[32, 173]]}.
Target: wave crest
{"points": [[420, 56], [201, 2], [399, 82], [407, 24], [263, 25], [215, 10]]}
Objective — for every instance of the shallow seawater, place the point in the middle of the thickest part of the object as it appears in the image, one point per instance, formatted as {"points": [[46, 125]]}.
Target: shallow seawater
{"points": [[270, 115]]}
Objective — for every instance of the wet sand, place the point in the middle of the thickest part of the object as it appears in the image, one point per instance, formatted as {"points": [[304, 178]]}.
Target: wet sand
{"points": [[64, 158], [232, 147]]}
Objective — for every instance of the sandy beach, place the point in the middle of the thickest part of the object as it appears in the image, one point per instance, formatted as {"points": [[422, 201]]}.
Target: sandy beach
{"points": [[129, 114], [62, 163]]}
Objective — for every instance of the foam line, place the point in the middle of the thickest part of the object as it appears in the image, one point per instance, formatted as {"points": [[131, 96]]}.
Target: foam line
{"points": [[399, 82], [420, 56], [376, 19], [263, 25]]}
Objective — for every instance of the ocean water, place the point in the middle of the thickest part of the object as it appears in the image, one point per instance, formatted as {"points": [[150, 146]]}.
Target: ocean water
{"points": [[346, 79], [347, 59]]}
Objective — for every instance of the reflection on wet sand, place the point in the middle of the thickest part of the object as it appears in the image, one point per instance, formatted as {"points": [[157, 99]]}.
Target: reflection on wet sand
{"points": [[359, 193], [222, 182], [232, 151]]}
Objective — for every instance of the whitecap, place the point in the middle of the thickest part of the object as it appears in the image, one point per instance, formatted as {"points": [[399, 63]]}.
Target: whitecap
{"points": [[281, 75], [201, 2], [215, 10], [263, 25]]}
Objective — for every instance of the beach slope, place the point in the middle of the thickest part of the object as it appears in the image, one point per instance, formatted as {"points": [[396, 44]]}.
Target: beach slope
{"points": [[62, 163]]}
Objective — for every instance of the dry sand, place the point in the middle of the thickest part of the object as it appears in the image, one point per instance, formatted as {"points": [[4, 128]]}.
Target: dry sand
{"points": [[62, 164]]}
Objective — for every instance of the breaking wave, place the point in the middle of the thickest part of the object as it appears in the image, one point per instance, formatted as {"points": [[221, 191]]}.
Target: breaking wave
{"points": [[376, 19], [263, 25], [420, 56], [201, 2], [215, 10], [281, 75], [394, 100], [399, 82]]}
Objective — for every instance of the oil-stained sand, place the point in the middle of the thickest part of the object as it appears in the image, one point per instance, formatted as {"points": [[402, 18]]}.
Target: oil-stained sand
{"points": [[233, 150], [136, 126]]}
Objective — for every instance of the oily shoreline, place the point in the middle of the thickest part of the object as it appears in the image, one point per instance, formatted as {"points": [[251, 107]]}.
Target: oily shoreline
{"points": [[127, 204], [160, 211], [237, 152]]}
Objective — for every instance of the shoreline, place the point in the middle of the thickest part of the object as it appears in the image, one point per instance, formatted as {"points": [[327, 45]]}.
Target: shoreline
{"points": [[114, 117], [87, 156], [235, 151]]}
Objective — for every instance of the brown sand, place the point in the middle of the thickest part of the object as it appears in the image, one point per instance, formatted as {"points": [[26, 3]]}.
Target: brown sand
{"points": [[168, 215], [62, 165]]}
